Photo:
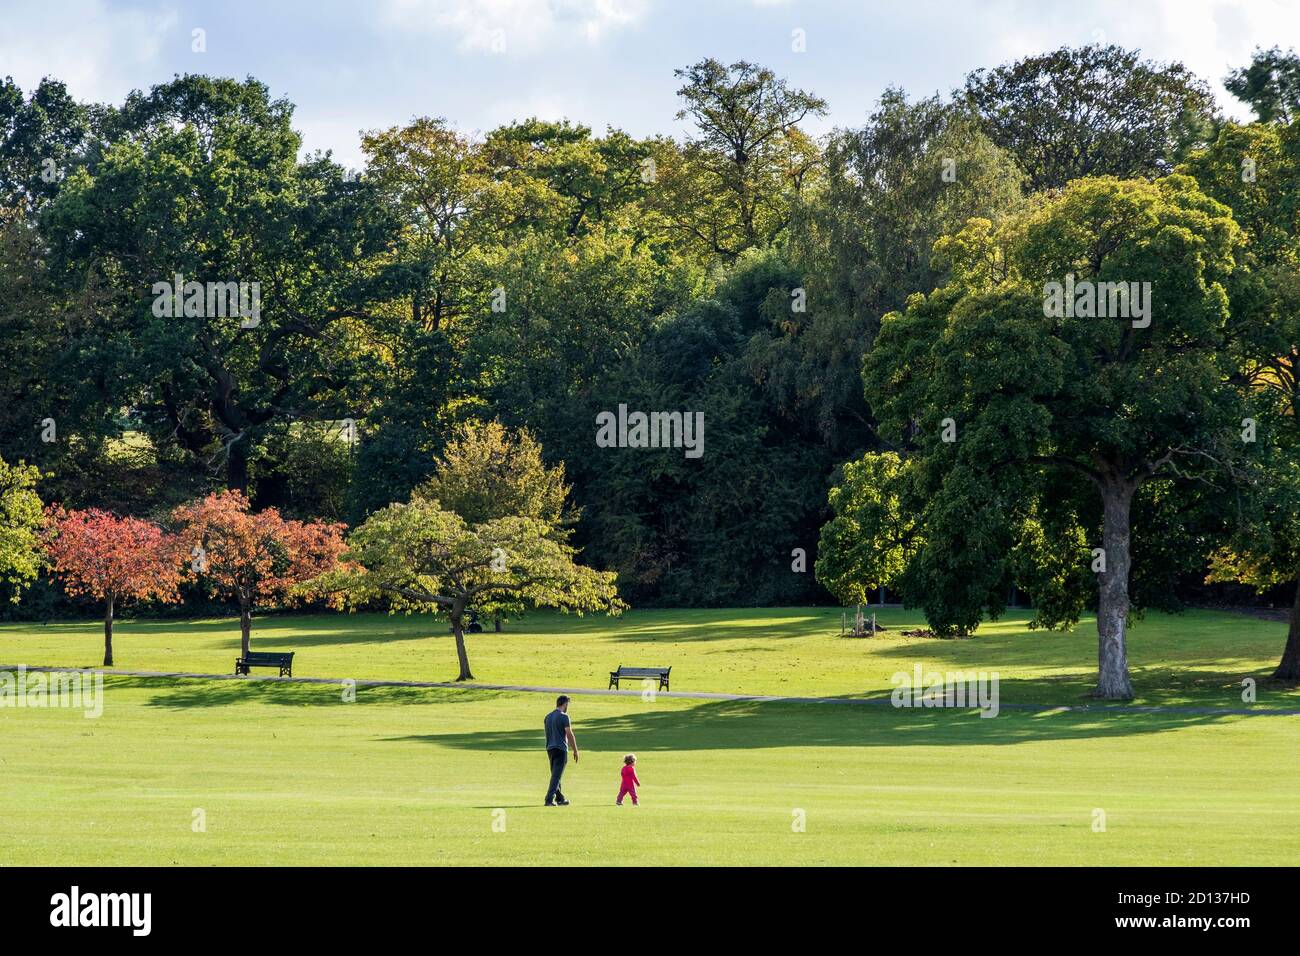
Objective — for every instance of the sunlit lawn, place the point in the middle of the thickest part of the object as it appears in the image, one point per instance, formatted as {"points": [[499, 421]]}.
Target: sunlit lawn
{"points": [[291, 773]]}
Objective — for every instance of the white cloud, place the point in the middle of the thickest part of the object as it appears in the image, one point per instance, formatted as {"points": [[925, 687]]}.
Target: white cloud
{"points": [[339, 135], [535, 104], [1209, 37], [100, 53], [501, 26]]}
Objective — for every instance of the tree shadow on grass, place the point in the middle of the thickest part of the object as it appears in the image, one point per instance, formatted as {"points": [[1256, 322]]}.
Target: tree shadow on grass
{"points": [[1173, 686], [185, 694], [1193, 677], [746, 725]]}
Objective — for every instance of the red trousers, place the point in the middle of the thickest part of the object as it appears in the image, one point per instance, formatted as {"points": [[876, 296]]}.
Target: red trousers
{"points": [[626, 789]]}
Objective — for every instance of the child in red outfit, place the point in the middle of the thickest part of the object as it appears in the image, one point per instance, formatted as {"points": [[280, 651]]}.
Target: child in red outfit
{"points": [[630, 782]]}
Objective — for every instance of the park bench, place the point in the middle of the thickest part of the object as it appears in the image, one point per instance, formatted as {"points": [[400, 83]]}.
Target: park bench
{"points": [[655, 673], [263, 659]]}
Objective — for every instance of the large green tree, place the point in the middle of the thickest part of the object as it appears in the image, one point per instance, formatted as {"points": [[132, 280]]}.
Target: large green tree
{"points": [[732, 185], [200, 178], [57, 412], [1270, 83], [452, 210], [1255, 170], [1015, 410], [526, 267], [719, 528], [42, 137], [590, 180], [862, 244], [1091, 111]]}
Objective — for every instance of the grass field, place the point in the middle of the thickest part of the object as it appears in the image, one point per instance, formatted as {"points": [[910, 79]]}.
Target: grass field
{"points": [[291, 773]]}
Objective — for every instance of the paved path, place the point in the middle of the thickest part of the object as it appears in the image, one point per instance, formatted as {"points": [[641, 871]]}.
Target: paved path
{"points": [[675, 695]]}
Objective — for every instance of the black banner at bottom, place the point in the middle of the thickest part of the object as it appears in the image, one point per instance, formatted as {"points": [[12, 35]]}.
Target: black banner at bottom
{"points": [[138, 905]]}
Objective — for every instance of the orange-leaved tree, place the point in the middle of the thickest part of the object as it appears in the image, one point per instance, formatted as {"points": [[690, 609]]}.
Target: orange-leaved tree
{"points": [[112, 559], [254, 557]]}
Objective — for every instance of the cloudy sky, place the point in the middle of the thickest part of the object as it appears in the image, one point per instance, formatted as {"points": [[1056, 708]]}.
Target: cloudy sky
{"points": [[350, 65]]}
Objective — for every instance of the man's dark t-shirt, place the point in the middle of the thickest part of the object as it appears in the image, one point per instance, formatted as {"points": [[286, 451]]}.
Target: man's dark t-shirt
{"points": [[556, 722]]}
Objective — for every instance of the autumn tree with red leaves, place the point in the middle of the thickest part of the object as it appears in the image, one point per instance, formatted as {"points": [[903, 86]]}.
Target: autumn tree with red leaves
{"points": [[112, 559], [254, 558]]}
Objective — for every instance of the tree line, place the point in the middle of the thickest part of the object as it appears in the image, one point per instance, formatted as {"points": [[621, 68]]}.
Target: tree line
{"points": [[860, 319]]}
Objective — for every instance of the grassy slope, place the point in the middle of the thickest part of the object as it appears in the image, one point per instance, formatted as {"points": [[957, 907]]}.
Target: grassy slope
{"points": [[293, 774], [1200, 657]]}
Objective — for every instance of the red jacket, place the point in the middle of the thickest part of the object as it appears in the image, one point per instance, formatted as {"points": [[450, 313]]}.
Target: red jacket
{"points": [[629, 776]]}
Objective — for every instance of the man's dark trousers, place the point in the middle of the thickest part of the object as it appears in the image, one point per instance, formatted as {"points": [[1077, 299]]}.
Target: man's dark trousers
{"points": [[558, 759]]}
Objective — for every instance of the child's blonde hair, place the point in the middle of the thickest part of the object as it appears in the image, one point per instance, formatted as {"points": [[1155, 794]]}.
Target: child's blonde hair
{"points": [[630, 759]]}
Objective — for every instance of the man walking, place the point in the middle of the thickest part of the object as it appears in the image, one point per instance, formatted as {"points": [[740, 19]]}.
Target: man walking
{"points": [[559, 740]]}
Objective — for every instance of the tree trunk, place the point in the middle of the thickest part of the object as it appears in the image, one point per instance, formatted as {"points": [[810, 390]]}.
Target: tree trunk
{"points": [[496, 622], [108, 632], [237, 466], [461, 654], [1289, 668], [245, 627], [1112, 601]]}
